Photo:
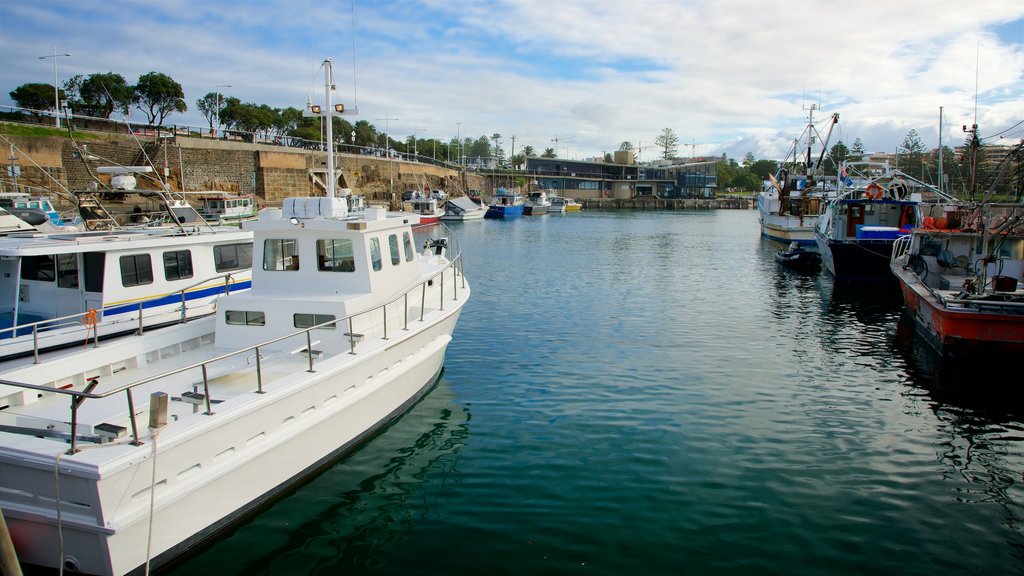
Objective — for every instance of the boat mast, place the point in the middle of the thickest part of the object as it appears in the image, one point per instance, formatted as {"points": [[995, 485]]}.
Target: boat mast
{"points": [[940, 149], [327, 113]]}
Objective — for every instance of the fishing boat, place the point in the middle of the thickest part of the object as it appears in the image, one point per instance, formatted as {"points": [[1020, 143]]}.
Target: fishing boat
{"points": [[537, 203], [789, 203], [505, 204], [798, 258], [962, 277], [875, 205], [15, 200], [571, 205], [345, 327], [462, 208]]}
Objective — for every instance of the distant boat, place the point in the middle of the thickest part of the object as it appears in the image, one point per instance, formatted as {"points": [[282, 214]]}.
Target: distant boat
{"points": [[505, 204], [857, 229], [21, 200], [224, 207], [462, 208], [789, 204], [427, 209], [537, 203], [558, 204]]}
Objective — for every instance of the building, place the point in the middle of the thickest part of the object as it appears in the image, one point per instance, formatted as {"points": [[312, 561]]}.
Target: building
{"points": [[590, 180]]}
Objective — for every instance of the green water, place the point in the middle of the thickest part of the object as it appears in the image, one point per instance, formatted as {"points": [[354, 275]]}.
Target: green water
{"points": [[648, 393]]}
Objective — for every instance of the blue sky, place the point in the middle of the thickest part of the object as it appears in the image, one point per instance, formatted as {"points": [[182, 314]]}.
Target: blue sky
{"points": [[726, 76]]}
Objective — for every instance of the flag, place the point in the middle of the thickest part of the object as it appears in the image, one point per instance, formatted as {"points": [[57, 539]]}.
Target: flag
{"points": [[844, 177]]}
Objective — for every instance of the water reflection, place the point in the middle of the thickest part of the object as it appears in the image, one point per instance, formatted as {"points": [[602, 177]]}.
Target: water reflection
{"points": [[350, 515]]}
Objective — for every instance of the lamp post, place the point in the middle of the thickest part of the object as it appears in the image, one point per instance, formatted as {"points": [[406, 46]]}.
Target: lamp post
{"points": [[415, 154], [56, 92], [387, 143], [216, 109]]}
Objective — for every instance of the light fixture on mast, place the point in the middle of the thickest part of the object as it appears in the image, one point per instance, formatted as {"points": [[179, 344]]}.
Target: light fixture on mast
{"points": [[327, 112]]}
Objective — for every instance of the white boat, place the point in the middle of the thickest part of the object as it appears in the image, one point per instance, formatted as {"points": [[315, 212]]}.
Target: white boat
{"points": [[789, 205], [427, 209], [345, 327], [224, 207], [558, 205], [537, 203], [63, 289], [461, 208]]}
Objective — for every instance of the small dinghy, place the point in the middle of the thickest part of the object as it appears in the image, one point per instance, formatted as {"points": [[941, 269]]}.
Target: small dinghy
{"points": [[798, 258]]}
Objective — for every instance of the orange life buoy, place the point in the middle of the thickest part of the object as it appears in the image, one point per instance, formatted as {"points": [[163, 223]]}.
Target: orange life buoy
{"points": [[89, 318], [873, 191]]}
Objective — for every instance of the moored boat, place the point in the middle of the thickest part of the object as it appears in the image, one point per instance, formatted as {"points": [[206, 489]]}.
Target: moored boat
{"points": [[789, 204], [856, 230], [505, 204], [427, 209], [537, 203], [345, 328], [462, 208], [962, 277], [798, 258]]}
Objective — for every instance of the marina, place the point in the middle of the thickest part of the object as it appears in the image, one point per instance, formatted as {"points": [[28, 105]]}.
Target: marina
{"points": [[701, 406]]}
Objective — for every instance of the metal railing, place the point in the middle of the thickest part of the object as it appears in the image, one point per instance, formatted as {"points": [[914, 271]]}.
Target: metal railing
{"points": [[79, 318], [454, 269]]}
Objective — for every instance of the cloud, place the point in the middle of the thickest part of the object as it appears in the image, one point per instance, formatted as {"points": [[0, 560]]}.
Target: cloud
{"points": [[725, 76]]}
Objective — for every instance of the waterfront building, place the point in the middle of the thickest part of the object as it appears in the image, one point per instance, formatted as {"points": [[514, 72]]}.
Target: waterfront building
{"points": [[591, 180]]}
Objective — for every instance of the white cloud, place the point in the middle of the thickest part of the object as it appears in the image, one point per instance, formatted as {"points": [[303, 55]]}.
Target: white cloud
{"points": [[726, 76]]}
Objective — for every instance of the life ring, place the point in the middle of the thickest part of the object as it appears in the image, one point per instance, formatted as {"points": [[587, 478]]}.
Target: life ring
{"points": [[874, 191], [89, 318]]}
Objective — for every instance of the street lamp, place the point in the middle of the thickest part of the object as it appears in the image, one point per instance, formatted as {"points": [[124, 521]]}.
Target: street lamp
{"points": [[387, 142], [216, 109], [414, 131], [56, 93]]}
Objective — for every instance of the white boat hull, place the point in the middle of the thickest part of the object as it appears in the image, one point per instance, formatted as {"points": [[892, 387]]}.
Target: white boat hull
{"points": [[210, 475]]}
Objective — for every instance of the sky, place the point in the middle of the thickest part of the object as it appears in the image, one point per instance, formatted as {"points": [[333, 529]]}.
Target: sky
{"points": [[578, 76]]}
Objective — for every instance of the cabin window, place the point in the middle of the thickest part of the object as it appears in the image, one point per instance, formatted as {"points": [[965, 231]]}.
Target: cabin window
{"points": [[335, 256], [67, 271], [409, 252], [393, 245], [245, 318], [232, 257], [310, 320], [177, 265], [280, 254], [375, 254], [40, 268], [136, 270]]}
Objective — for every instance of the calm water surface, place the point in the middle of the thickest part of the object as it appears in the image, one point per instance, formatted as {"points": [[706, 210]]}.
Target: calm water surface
{"points": [[649, 393]]}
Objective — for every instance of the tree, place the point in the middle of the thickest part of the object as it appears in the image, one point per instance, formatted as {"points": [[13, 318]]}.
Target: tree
{"points": [[762, 168], [857, 152], [668, 142], [212, 106], [366, 134], [549, 153], [627, 146], [518, 160], [839, 153], [36, 97], [748, 160], [608, 158], [528, 151], [913, 150], [159, 96], [99, 95], [497, 147]]}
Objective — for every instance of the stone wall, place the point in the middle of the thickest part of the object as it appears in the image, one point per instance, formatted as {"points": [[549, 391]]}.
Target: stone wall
{"points": [[270, 172]]}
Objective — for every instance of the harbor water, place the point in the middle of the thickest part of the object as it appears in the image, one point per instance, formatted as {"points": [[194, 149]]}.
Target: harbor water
{"points": [[650, 393]]}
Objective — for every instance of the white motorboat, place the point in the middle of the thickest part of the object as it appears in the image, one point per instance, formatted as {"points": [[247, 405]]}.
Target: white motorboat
{"points": [[537, 203], [462, 208], [345, 327]]}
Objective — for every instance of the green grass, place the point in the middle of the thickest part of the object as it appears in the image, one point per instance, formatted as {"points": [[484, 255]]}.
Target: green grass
{"points": [[35, 131]]}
